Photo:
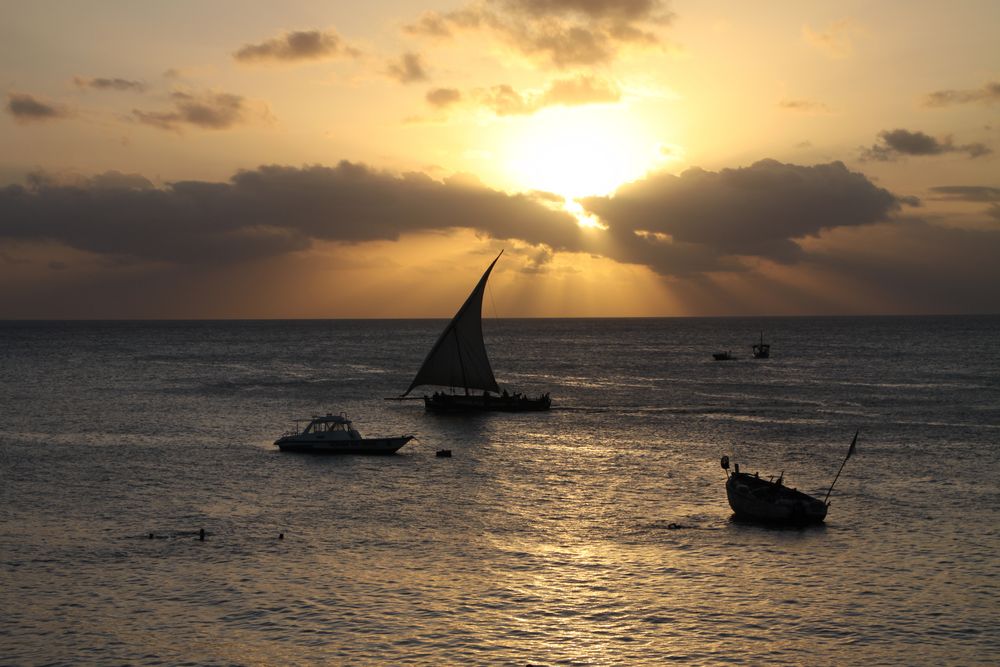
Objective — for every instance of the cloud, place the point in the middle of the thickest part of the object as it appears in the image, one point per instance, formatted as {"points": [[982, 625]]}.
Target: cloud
{"points": [[101, 83], [807, 225], [269, 211], [109, 180], [408, 68], [836, 40], [207, 110], [970, 193], [914, 266], [503, 100], [803, 106], [899, 142], [701, 220], [443, 97], [27, 108], [563, 33], [300, 45], [989, 93]]}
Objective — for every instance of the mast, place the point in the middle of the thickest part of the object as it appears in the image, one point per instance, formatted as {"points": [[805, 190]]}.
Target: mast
{"points": [[465, 363]]}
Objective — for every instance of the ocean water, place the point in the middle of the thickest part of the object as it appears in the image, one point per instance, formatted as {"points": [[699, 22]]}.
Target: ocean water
{"points": [[594, 534]]}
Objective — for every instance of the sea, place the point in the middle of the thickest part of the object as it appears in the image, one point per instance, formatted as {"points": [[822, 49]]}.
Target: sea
{"points": [[597, 533]]}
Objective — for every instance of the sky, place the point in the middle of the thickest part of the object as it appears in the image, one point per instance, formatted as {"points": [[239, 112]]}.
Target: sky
{"points": [[247, 159]]}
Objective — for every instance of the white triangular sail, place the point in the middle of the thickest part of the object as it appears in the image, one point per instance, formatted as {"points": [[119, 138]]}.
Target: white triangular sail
{"points": [[458, 358]]}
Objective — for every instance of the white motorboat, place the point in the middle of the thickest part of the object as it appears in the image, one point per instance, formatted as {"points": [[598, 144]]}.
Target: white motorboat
{"points": [[334, 434]]}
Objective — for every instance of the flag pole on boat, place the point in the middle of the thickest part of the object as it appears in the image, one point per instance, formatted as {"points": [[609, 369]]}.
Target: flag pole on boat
{"points": [[849, 452]]}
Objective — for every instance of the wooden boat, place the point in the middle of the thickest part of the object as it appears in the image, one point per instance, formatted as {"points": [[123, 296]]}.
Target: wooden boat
{"points": [[334, 434], [770, 501], [761, 350], [458, 360]]}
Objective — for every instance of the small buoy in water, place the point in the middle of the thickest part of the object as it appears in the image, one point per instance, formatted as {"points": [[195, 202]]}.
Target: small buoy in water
{"points": [[201, 534], [443, 454], [281, 536]]}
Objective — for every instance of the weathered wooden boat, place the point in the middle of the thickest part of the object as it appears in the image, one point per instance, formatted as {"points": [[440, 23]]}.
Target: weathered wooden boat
{"points": [[335, 434], [770, 501], [458, 360]]}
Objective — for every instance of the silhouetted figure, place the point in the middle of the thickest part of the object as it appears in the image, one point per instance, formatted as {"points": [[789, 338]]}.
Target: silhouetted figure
{"points": [[150, 536], [201, 534], [281, 536]]}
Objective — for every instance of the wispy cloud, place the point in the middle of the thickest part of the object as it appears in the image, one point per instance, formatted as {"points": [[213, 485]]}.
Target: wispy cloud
{"points": [[26, 108], [207, 110], [443, 97], [103, 83], [803, 106], [970, 193], [503, 100], [408, 68], [835, 40], [989, 93], [894, 144], [297, 46], [562, 33]]}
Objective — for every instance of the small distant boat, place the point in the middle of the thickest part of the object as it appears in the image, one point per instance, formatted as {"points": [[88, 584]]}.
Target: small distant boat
{"points": [[761, 350], [723, 356], [334, 434], [458, 360], [770, 501]]}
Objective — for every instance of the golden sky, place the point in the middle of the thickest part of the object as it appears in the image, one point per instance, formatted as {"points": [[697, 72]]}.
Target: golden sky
{"points": [[633, 157]]}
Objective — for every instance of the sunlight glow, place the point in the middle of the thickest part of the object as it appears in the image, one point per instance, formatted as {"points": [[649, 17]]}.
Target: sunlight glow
{"points": [[580, 152]]}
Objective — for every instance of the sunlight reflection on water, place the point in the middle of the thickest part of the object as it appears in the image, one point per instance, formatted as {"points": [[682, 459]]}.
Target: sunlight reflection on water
{"points": [[595, 535]]}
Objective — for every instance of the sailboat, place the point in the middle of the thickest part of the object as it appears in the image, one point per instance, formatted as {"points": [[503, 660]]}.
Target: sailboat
{"points": [[458, 360], [761, 350]]}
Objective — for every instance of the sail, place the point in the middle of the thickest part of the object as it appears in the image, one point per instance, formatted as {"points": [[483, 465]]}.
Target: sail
{"points": [[458, 358]]}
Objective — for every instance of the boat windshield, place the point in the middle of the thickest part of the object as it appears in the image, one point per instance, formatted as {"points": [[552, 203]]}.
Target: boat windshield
{"points": [[323, 426]]}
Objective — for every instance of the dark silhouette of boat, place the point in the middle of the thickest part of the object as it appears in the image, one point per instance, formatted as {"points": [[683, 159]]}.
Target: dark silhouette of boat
{"points": [[723, 356], [335, 434], [770, 501], [458, 360], [761, 350]]}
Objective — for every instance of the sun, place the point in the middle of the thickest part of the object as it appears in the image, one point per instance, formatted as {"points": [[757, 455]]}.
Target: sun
{"points": [[580, 151]]}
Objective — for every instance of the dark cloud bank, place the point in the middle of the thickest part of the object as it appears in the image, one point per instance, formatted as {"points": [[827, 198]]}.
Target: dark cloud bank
{"points": [[680, 226], [265, 212]]}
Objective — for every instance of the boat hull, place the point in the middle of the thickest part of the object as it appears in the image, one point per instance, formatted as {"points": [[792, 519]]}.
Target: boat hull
{"points": [[471, 403], [366, 446], [760, 500]]}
